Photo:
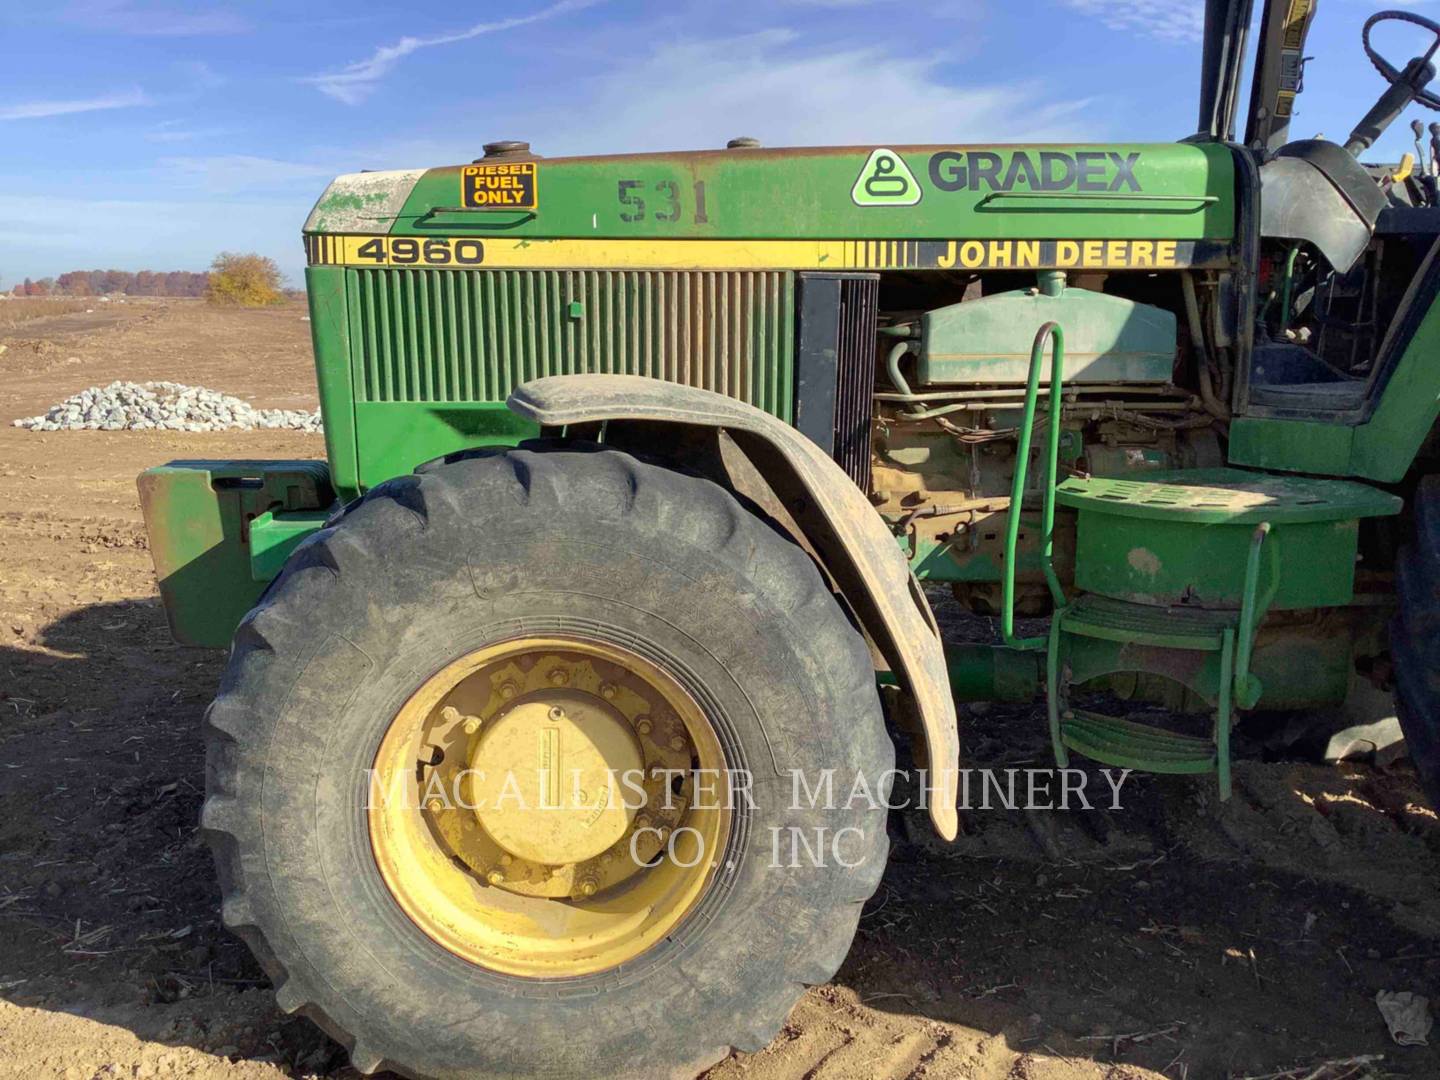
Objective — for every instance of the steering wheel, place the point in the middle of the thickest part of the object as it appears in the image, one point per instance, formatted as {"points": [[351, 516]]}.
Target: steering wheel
{"points": [[1388, 71]]}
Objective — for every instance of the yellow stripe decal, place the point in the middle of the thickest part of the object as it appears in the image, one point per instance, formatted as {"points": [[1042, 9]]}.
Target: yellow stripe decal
{"points": [[470, 252]]}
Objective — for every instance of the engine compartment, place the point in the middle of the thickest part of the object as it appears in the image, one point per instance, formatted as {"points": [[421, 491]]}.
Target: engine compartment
{"points": [[953, 357]]}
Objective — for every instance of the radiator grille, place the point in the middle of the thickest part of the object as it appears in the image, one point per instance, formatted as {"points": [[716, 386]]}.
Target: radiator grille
{"points": [[855, 376], [472, 335]]}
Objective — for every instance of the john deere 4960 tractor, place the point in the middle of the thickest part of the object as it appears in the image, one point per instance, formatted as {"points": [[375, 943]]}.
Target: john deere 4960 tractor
{"points": [[637, 467]]}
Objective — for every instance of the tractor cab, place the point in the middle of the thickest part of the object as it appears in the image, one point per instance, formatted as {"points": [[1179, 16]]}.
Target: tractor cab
{"points": [[1345, 267]]}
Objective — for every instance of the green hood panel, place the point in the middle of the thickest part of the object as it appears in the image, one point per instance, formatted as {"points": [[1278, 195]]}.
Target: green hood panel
{"points": [[1159, 191]]}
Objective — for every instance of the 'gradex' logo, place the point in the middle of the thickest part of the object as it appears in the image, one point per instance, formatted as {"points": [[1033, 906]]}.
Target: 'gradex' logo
{"points": [[1087, 170]]}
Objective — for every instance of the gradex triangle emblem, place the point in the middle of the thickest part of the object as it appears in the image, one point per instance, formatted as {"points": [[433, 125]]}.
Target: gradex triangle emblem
{"points": [[885, 180]]}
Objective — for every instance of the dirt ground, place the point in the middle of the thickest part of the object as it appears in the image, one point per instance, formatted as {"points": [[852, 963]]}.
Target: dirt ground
{"points": [[1177, 937]]}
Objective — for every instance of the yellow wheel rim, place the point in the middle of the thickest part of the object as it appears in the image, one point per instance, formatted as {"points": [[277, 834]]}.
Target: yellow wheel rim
{"points": [[549, 806]]}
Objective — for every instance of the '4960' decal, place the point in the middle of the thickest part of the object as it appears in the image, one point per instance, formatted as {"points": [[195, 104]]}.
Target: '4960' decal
{"points": [[412, 251]]}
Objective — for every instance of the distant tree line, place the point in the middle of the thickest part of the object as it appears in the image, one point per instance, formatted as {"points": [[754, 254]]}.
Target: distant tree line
{"points": [[124, 282]]}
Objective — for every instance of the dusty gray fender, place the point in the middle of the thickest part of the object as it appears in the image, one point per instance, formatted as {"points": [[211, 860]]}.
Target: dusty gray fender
{"points": [[899, 618]]}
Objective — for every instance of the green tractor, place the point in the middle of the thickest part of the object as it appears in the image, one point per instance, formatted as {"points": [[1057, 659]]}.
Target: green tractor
{"points": [[637, 467]]}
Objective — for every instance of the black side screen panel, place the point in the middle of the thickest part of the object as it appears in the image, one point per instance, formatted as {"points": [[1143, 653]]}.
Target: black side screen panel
{"points": [[835, 366]]}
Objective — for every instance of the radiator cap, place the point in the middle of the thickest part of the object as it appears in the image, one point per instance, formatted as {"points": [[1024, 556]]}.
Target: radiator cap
{"points": [[506, 148]]}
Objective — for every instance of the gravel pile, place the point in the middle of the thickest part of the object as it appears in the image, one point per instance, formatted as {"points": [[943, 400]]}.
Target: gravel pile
{"points": [[164, 406]]}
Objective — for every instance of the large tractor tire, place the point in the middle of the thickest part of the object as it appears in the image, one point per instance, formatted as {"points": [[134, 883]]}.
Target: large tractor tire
{"points": [[580, 610], [1415, 638]]}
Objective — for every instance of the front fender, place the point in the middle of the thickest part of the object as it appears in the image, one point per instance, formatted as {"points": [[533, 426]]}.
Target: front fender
{"points": [[838, 521]]}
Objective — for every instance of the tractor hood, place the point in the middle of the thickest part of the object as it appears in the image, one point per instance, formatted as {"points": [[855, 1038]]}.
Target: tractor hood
{"points": [[922, 207]]}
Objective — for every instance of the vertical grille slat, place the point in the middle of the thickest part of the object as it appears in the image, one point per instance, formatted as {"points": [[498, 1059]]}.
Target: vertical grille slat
{"points": [[423, 335], [856, 371], [835, 359]]}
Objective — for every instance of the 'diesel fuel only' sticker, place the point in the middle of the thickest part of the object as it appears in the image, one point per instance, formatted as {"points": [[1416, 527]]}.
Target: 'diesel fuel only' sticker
{"points": [[510, 185]]}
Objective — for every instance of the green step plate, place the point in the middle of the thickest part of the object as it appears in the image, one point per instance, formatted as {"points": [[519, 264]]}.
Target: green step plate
{"points": [[1132, 745], [1181, 538]]}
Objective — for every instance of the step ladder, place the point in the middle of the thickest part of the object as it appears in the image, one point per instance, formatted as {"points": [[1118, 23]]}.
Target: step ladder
{"points": [[1174, 575]]}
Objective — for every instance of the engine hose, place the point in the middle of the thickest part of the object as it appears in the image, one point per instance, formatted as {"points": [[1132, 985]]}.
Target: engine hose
{"points": [[1213, 405], [892, 366]]}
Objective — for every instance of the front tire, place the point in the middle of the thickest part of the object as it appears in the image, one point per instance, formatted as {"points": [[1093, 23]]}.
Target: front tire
{"points": [[615, 559]]}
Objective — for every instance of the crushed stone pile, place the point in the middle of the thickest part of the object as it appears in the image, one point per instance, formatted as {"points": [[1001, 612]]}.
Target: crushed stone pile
{"points": [[164, 406]]}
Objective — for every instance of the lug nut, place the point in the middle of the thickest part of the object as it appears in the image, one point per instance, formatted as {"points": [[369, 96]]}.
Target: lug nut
{"points": [[450, 714], [495, 876], [434, 806], [677, 742], [607, 691], [643, 725], [508, 690], [559, 677], [472, 725]]}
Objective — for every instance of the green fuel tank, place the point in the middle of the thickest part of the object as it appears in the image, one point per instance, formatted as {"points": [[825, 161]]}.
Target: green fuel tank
{"points": [[1108, 339]]}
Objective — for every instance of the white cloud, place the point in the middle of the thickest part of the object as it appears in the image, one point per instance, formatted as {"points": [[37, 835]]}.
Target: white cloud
{"points": [[355, 82], [126, 17], [228, 173], [698, 94], [1168, 20], [37, 110]]}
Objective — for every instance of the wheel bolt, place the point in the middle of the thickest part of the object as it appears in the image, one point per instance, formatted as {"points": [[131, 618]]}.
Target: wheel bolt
{"points": [[559, 677], [495, 876], [472, 725], [508, 690], [643, 725], [589, 888], [677, 742], [607, 691], [434, 806], [450, 714]]}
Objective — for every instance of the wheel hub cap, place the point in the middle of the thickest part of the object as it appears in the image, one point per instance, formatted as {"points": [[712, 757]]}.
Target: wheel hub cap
{"points": [[549, 778]]}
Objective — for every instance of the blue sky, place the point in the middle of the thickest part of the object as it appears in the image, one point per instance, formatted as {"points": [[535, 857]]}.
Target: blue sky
{"points": [[138, 134]]}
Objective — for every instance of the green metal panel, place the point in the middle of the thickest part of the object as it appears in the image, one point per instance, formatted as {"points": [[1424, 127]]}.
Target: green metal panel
{"points": [[473, 335], [275, 534], [1157, 561], [330, 329], [199, 516], [397, 436], [1139, 190], [1406, 412], [1308, 446]]}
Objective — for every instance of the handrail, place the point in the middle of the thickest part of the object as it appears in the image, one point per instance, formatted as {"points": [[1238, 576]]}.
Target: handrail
{"points": [[1017, 488], [1247, 686]]}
